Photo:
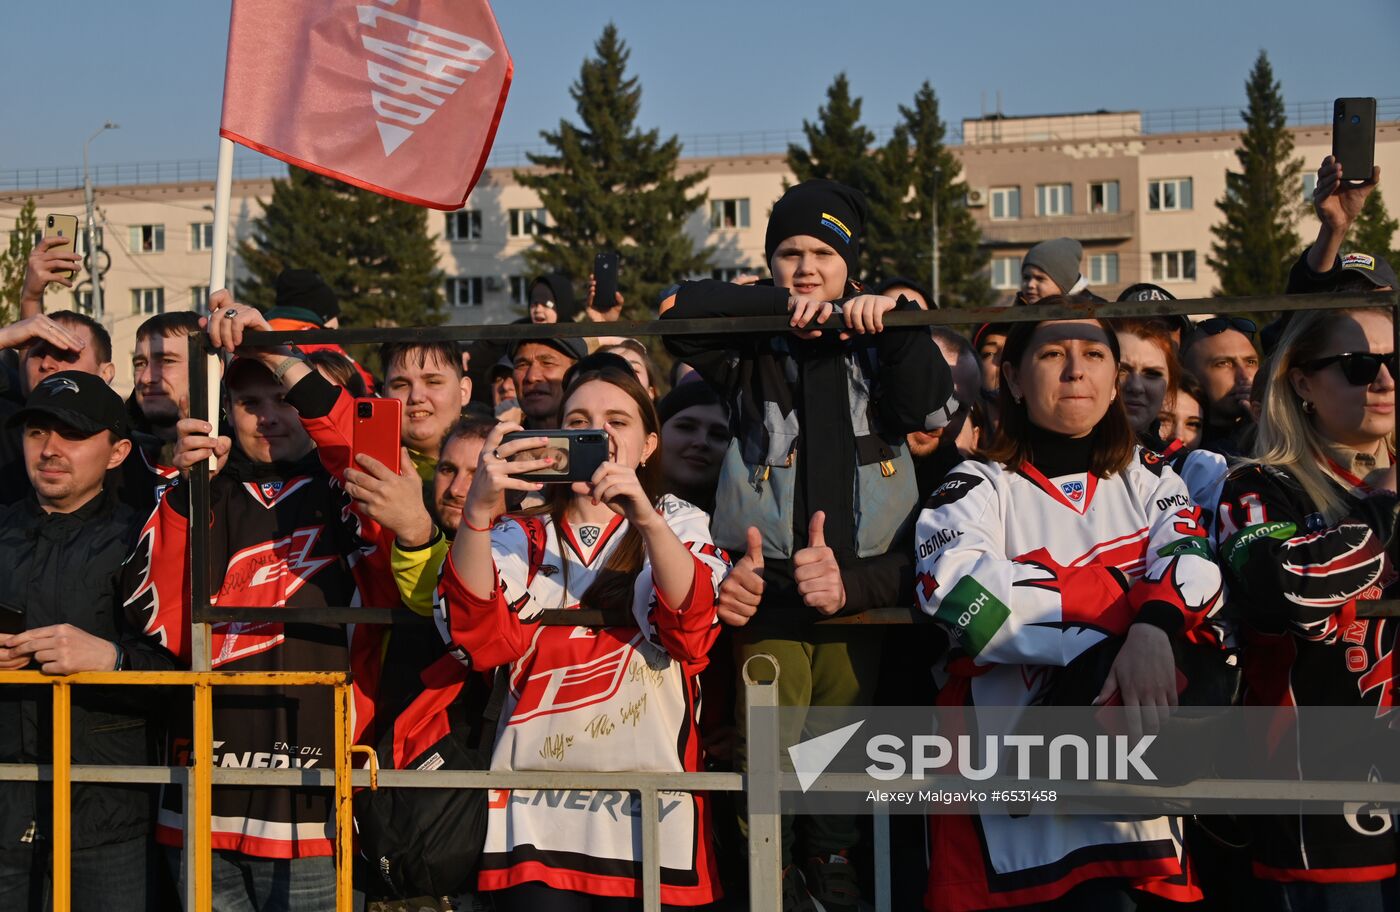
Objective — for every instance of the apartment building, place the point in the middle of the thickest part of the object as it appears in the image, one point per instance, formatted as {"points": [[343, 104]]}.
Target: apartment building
{"points": [[1141, 201]]}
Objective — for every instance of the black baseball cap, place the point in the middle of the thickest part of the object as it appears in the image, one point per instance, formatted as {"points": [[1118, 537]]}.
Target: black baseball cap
{"points": [[78, 399], [1375, 269], [1146, 291], [574, 348]]}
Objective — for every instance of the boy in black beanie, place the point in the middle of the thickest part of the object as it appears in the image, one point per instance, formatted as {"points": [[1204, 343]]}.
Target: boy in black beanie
{"points": [[817, 491]]}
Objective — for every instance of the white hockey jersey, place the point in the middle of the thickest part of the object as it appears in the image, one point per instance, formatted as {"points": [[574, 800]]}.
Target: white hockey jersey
{"points": [[1028, 572], [588, 698]]}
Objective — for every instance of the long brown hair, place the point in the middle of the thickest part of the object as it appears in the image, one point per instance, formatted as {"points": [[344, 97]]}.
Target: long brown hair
{"points": [[612, 590], [1114, 440]]}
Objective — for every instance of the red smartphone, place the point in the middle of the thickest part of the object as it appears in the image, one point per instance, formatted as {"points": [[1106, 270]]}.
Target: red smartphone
{"points": [[377, 425]]}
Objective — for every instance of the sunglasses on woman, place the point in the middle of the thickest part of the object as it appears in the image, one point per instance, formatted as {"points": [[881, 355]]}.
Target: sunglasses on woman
{"points": [[1360, 368]]}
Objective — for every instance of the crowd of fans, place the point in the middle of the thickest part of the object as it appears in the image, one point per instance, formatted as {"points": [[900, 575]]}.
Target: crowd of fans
{"points": [[1119, 492]]}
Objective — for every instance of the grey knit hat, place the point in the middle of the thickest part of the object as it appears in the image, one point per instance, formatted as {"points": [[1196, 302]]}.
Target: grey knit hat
{"points": [[1059, 259]]}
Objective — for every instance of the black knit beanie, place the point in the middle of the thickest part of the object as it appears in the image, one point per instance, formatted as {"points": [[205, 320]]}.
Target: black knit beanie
{"points": [[823, 209], [306, 290], [687, 395]]}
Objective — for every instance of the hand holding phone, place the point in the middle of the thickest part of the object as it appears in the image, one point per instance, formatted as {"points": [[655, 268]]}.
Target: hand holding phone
{"points": [[376, 430], [65, 227]]}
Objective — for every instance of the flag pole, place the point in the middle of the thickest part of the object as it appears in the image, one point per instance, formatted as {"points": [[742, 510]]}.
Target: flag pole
{"points": [[218, 272]]}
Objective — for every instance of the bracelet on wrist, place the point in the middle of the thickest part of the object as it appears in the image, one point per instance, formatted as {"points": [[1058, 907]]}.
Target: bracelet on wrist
{"points": [[466, 522], [294, 356]]}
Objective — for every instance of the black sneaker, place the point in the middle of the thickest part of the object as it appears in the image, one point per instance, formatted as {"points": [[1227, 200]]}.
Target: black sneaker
{"points": [[795, 895], [831, 882]]}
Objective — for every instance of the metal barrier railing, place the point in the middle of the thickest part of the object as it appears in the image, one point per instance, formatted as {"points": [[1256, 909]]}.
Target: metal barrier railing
{"points": [[762, 777]]}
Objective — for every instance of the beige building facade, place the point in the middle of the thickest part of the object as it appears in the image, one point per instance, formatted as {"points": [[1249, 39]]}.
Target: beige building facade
{"points": [[1141, 203]]}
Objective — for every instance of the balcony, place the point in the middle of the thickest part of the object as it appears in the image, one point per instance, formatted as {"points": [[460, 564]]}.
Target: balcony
{"points": [[1096, 226]]}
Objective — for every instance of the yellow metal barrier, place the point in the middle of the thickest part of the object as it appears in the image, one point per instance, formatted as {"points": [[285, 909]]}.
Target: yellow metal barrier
{"points": [[199, 809]]}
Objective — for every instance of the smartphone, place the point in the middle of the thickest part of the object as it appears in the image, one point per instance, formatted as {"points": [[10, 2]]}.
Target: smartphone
{"points": [[377, 428], [66, 226], [1354, 136], [11, 619], [577, 454], [605, 274]]}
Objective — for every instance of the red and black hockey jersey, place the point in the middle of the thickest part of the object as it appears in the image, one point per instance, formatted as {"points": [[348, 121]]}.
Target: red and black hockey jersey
{"points": [[1027, 573], [280, 535], [580, 698], [1294, 580]]}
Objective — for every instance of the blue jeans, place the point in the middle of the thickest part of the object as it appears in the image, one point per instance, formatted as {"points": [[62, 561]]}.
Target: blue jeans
{"points": [[244, 883], [111, 878]]}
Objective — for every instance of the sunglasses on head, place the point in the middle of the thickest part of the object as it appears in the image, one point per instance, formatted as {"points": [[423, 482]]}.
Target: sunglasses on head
{"points": [[1360, 368], [1217, 325]]}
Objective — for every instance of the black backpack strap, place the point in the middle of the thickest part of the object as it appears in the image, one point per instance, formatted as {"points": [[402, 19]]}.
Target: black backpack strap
{"points": [[491, 715]]}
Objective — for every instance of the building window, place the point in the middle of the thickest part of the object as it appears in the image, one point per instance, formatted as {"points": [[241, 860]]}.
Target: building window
{"points": [[466, 291], [465, 224], [520, 290], [1054, 199], [201, 236], [82, 302], [732, 213], [1309, 185], [1174, 266], [526, 222], [81, 242], [1006, 272], [1006, 203], [147, 238], [147, 301], [1103, 269], [199, 298], [1103, 196], [1169, 195]]}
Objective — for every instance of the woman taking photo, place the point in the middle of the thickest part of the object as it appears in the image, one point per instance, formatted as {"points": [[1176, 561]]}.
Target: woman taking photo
{"points": [[1304, 531], [619, 697], [1074, 536]]}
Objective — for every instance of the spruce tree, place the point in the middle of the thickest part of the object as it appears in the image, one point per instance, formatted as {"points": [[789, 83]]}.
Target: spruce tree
{"points": [[375, 252], [1257, 240], [1374, 230], [609, 185], [839, 149], [14, 259], [918, 169]]}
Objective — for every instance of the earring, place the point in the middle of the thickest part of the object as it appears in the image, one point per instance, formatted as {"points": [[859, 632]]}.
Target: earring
{"points": [[1309, 408]]}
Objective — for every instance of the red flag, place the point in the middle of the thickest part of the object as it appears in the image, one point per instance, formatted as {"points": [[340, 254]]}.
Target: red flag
{"points": [[401, 97]]}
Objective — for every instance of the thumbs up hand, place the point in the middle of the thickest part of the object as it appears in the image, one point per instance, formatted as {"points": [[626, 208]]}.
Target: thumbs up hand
{"points": [[742, 589], [816, 572]]}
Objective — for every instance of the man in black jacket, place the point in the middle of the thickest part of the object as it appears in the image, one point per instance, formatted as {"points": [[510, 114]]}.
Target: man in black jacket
{"points": [[61, 555]]}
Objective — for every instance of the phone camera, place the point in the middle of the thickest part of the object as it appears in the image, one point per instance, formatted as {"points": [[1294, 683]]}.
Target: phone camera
{"points": [[51, 221], [365, 410]]}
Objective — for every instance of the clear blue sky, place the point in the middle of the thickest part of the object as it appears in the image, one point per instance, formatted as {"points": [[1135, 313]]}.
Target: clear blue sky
{"points": [[156, 66]]}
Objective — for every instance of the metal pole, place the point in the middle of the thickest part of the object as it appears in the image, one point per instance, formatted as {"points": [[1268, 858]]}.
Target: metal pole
{"points": [[62, 796], [937, 173], [761, 781], [218, 263], [97, 306]]}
